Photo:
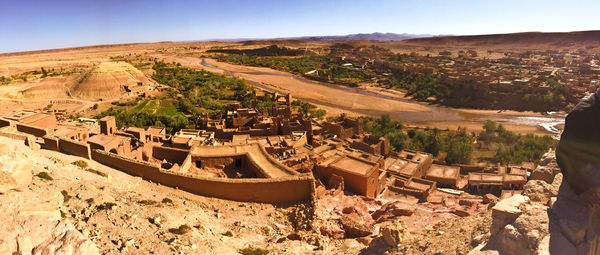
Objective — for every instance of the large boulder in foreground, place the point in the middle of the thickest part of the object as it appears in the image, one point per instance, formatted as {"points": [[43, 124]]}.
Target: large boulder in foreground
{"points": [[506, 212], [31, 224], [15, 169], [394, 233]]}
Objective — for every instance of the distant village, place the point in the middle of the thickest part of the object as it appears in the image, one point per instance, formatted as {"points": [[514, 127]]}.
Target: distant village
{"points": [[247, 155], [518, 80]]}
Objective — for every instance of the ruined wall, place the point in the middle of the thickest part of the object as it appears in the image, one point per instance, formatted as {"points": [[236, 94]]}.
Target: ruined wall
{"points": [[172, 155], [229, 161], [366, 186], [50, 143], [13, 136], [74, 148], [287, 189], [36, 131]]}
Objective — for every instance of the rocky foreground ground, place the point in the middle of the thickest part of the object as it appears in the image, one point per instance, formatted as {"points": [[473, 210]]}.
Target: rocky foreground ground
{"points": [[59, 204], [548, 218]]}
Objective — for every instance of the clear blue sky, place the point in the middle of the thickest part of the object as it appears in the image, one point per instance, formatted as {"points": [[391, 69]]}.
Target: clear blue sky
{"points": [[46, 24]]}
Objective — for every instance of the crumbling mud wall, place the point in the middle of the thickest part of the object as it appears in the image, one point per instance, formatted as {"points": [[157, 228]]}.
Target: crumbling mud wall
{"points": [[13, 136], [36, 131], [267, 190], [74, 148], [172, 155]]}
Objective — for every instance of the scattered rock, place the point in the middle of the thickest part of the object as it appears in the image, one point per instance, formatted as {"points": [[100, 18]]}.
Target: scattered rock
{"points": [[364, 240], [467, 202], [539, 191], [461, 212], [332, 231], [294, 236], [396, 208], [489, 198], [506, 211], [542, 173], [353, 229], [394, 233]]}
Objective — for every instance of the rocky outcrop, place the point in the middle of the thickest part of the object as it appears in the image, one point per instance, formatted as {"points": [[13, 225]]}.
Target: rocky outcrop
{"points": [[394, 233], [549, 218], [15, 169], [31, 222]]}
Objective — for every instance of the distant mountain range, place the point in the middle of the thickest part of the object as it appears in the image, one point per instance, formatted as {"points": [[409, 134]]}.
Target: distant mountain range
{"points": [[363, 37]]}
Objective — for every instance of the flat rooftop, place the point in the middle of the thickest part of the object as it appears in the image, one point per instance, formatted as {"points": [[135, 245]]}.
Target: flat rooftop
{"points": [[485, 177], [353, 165], [446, 172]]}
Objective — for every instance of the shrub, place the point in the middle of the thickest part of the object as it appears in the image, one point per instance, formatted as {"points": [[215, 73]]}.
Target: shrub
{"points": [[147, 202], [45, 176], [180, 230], [81, 164], [107, 206], [66, 196], [253, 251]]}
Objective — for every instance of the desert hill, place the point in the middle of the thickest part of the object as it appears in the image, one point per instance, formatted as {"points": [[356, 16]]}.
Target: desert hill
{"points": [[528, 39], [105, 79]]}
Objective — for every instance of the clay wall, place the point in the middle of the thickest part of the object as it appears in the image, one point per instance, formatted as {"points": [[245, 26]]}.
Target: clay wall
{"points": [[36, 131], [5, 123], [13, 136], [74, 148], [286, 189], [50, 143]]}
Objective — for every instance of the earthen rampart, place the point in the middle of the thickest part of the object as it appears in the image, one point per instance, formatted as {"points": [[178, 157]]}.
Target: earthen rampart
{"points": [[267, 190], [36, 131], [74, 148]]}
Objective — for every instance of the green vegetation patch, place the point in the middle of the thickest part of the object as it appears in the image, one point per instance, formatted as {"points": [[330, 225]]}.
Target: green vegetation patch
{"points": [[253, 251], [81, 164], [45, 176], [183, 229]]}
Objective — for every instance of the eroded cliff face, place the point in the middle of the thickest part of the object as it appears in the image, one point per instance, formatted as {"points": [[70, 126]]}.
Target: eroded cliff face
{"points": [[548, 218]]}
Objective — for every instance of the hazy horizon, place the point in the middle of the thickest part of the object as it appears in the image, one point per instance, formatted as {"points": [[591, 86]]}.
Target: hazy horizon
{"points": [[39, 25]]}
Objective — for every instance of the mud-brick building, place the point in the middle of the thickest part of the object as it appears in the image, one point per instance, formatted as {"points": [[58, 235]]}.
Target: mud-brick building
{"points": [[362, 175], [408, 163], [371, 144], [108, 125], [443, 175], [344, 127], [115, 144]]}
